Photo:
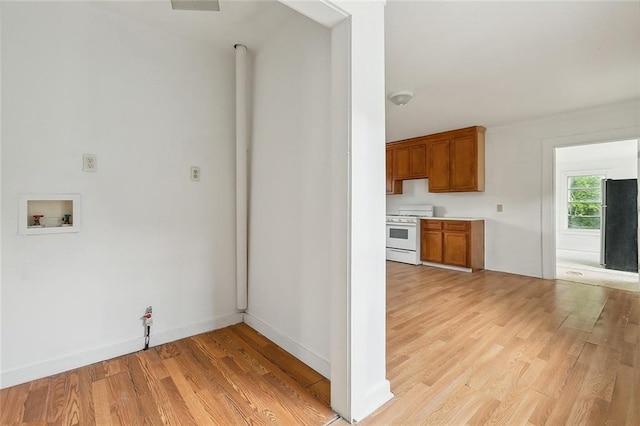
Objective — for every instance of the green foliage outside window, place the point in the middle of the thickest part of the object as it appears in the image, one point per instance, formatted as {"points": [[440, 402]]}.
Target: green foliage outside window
{"points": [[583, 202]]}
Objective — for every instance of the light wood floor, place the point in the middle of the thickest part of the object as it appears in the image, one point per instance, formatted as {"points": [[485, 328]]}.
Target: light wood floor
{"points": [[226, 377], [481, 348], [502, 349]]}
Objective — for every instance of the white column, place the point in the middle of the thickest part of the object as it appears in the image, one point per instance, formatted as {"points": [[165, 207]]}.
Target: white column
{"points": [[241, 176], [358, 371]]}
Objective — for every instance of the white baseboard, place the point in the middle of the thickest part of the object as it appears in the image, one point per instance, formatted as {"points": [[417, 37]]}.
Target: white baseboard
{"points": [[305, 355], [375, 399], [451, 267], [80, 359], [193, 329]]}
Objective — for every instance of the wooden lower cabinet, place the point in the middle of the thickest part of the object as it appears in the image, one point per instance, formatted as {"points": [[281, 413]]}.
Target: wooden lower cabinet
{"points": [[453, 242]]}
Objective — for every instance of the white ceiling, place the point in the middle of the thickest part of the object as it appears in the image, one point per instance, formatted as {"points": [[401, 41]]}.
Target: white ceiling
{"points": [[492, 63], [469, 63], [248, 22]]}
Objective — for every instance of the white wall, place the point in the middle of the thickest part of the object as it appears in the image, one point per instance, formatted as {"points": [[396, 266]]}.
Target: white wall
{"points": [[514, 167], [290, 192], [79, 80], [1, 232], [339, 196], [613, 160]]}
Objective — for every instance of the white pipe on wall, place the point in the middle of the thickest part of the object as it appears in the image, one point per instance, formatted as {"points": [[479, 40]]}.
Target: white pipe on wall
{"points": [[241, 176]]}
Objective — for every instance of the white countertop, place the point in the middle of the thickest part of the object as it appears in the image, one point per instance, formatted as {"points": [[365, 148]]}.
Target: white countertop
{"points": [[468, 219]]}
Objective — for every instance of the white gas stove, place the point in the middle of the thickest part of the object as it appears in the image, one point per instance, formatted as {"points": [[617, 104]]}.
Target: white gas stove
{"points": [[403, 233]]}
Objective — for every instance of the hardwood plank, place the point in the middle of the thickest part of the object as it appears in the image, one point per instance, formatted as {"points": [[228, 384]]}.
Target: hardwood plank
{"points": [[35, 406], [222, 407], [115, 396], [459, 407], [293, 367], [161, 397], [72, 410], [151, 359], [295, 401], [192, 403], [178, 407], [222, 381], [252, 337], [625, 400], [87, 414], [518, 407], [101, 395], [13, 401], [166, 351], [149, 410], [56, 401]]}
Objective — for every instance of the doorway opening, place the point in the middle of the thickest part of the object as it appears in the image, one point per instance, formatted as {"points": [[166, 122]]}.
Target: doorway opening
{"points": [[589, 249]]}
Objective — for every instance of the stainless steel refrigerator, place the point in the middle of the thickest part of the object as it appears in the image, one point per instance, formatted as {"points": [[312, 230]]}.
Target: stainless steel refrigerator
{"points": [[619, 236]]}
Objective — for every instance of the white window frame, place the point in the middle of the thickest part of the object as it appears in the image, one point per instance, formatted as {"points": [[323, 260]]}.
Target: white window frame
{"points": [[564, 194]]}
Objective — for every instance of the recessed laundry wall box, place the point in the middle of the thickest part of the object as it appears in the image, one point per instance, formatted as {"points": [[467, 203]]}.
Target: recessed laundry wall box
{"points": [[48, 213]]}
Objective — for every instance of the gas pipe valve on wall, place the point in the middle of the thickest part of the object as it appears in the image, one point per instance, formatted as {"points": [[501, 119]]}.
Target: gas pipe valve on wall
{"points": [[147, 322]]}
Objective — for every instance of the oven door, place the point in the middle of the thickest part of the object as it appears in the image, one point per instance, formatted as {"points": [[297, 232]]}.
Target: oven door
{"points": [[402, 236]]}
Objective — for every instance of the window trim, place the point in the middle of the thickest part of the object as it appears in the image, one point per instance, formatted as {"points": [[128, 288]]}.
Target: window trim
{"points": [[565, 200]]}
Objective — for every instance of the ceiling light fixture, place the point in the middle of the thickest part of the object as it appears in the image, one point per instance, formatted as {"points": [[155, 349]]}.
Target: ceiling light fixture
{"points": [[400, 98]]}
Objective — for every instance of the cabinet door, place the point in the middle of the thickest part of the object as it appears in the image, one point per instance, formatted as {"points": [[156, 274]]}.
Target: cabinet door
{"points": [[456, 248], [389, 154], [418, 161], [438, 170], [394, 186], [401, 162], [431, 246], [463, 158], [410, 161]]}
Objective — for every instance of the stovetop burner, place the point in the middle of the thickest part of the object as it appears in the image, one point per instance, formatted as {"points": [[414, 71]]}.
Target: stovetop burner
{"points": [[424, 210]]}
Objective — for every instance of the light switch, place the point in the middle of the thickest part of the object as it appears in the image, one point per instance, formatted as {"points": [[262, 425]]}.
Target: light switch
{"points": [[499, 208]]}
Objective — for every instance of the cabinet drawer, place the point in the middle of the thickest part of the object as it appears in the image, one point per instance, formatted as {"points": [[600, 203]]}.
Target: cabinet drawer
{"points": [[432, 225], [453, 225]]}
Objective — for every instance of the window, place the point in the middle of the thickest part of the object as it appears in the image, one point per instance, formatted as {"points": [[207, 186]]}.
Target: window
{"points": [[583, 202]]}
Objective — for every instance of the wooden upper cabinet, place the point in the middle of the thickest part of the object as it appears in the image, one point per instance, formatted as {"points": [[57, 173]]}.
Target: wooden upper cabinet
{"points": [[393, 186], [456, 160], [389, 163], [453, 161], [410, 160]]}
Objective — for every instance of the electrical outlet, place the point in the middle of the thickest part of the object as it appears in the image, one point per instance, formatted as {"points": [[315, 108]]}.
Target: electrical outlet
{"points": [[89, 163], [195, 174]]}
